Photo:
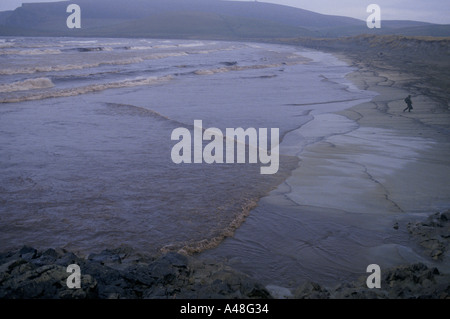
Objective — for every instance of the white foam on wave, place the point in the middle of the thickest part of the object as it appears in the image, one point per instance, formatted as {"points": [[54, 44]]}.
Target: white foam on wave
{"points": [[139, 48], [165, 55], [5, 43], [30, 84], [122, 62], [79, 42], [243, 68], [164, 46], [191, 45], [139, 81], [67, 67], [31, 52], [37, 69], [204, 51]]}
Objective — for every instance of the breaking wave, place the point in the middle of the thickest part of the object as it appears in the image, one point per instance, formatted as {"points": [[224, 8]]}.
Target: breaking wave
{"points": [[235, 68], [6, 44], [79, 42], [140, 81], [30, 84], [91, 49], [191, 45], [31, 52], [138, 48], [59, 68]]}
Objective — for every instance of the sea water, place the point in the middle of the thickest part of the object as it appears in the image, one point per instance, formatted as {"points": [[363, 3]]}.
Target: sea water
{"points": [[85, 150]]}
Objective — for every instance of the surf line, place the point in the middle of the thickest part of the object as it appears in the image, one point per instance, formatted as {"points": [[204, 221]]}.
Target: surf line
{"points": [[234, 144]]}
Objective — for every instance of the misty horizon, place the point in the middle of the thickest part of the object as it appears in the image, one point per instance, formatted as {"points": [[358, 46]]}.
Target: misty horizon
{"points": [[434, 12], [220, 20]]}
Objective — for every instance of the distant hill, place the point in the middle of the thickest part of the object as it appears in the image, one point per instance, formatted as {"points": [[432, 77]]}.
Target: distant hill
{"points": [[195, 19]]}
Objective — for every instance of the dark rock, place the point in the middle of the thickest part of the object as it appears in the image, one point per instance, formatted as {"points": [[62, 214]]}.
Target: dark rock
{"points": [[176, 259], [66, 258], [47, 257], [259, 292], [415, 281], [141, 274], [177, 276], [21, 267], [157, 292], [50, 253], [168, 268], [27, 253], [358, 292], [103, 275], [11, 264], [432, 234], [163, 272], [106, 257], [311, 290], [46, 282], [445, 216], [112, 292]]}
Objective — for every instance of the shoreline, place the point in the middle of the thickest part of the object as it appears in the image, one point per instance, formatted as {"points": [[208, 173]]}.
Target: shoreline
{"points": [[194, 275], [404, 184], [422, 188], [424, 178]]}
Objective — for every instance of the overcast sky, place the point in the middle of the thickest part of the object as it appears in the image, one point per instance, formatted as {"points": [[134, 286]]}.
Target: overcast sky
{"points": [[436, 11]]}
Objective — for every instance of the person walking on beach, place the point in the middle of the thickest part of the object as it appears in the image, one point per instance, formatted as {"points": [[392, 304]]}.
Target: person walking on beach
{"points": [[408, 103]]}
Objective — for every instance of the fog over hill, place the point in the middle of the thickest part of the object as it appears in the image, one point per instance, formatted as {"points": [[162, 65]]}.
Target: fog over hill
{"points": [[194, 19]]}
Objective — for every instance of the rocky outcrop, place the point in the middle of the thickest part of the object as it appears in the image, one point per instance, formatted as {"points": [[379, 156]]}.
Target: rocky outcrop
{"points": [[120, 273], [433, 234], [123, 273], [416, 281]]}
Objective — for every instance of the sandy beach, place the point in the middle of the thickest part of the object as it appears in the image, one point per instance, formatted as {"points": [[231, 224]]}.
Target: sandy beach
{"points": [[409, 166], [358, 191], [395, 163]]}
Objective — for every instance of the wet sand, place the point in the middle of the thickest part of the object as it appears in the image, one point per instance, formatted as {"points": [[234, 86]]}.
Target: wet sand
{"points": [[356, 191]]}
